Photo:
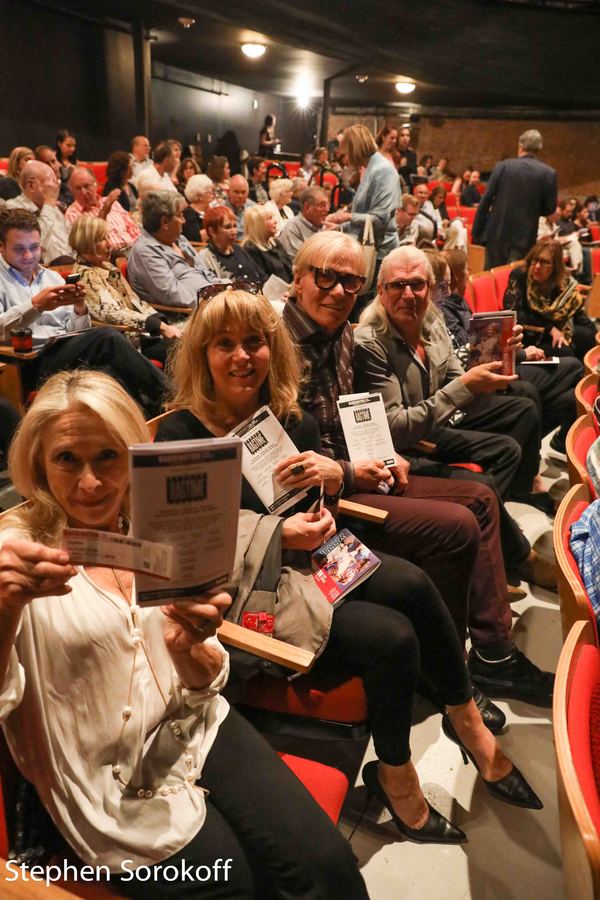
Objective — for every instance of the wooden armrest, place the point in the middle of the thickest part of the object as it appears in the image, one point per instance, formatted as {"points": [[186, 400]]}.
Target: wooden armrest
{"points": [[426, 446], [179, 310], [22, 889], [361, 511], [96, 323], [266, 647]]}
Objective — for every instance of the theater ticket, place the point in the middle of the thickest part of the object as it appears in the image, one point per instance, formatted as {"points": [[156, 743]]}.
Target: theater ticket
{"points": [[117, 551], [366, 428]]}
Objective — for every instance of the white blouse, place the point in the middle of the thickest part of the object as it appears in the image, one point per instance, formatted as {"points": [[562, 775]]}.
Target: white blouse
{"points": [[61, 706]]}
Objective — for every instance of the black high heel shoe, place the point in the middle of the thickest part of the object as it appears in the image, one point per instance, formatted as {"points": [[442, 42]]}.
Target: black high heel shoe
{"points": [[436, 830], [513, 788]]}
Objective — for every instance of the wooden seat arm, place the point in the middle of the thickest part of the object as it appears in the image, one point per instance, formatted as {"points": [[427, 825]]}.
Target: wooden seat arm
{"points": [[179, 310], [362, 511], [427, 447], [266, 647]]}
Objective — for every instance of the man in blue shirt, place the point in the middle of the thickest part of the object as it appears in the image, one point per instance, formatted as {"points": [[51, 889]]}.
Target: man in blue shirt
{"points": [[238, 202]]}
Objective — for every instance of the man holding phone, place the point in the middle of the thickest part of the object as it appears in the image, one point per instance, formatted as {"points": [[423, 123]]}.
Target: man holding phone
{"points": [[39, 299]]}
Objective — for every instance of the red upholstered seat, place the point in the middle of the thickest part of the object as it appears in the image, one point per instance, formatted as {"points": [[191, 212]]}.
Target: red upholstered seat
{"points": [[327, 785], [99, 170], [468, 213], [484, 293], [575, 514], [584, 686], [334, 701], [501, 275], [595, 231], [595, 260]]}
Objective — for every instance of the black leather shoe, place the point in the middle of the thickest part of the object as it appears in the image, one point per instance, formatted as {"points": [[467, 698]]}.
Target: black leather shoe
{"points": [[512, 789], [436, 830], [516, 677], [493, 717]]}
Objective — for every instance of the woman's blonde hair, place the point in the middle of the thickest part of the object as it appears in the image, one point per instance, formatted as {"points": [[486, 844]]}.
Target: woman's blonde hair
{"points": [[328, 249], [256, 228], [194, 386], [280, 186], [17, 154], [85, 233], [42, 518], [358, 144]]}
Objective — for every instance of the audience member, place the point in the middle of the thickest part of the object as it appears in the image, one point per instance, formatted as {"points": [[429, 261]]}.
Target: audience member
{"points": [[165, 164], [300, 185], [453, 233], [219, 172], [440, 172], [470, 196], [122, 229], [408, 157], [163, 267], [328, 273], [199, 193], [425, 167], [45, 154], [257, 175], [406, 220], [280, 191], [187, 168], [387, 144], [119, 173], [66, 151], [305, 170], [175, 778], [39, 195], [261, 244], [519, 192], [238, 201], [39, 299], [238, 330], [109, 296], [9, 184], [426, 221], [549, 304], [267, 139], [314, 206], [140, 155], [223, 257], [461, 182]]}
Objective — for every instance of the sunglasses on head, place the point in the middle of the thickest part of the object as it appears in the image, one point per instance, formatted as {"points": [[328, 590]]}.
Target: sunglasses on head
{"points": [[326, 279], [211, 290]]}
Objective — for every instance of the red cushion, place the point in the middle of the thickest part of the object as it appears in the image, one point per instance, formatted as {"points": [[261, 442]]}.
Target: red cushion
{"points": [[595, 260], [327, 785], [484, 293], [305, 696], [472, 467], [576, 513], [468, 213], [590, 392], [586, 680], [501, 282]]}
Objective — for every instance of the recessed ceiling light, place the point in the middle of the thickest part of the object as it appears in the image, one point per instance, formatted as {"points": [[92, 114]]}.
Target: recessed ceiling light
{"points": [[186, 22], [253, 51], [362, 78], [405, 87]]}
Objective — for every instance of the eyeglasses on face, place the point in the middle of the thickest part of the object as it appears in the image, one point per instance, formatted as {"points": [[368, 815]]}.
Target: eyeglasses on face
{"points": [[211, 290], [545, 263], [327, 279], [417, 286]]}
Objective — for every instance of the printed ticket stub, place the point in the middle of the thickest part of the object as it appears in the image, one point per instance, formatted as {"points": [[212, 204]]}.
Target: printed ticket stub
{"points": [[118, 551], [366, 428]]}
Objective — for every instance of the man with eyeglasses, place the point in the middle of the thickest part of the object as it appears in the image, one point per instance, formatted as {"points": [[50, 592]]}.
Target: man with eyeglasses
{"points": [[314, 207], [450, 528], [122, 229]]}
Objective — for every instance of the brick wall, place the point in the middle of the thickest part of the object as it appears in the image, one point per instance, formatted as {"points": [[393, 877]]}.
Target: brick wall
{"points": [[572, 148]]}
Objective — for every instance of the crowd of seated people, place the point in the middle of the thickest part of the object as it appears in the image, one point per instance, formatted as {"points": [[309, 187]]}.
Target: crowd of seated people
{"points": [[176, 257]]}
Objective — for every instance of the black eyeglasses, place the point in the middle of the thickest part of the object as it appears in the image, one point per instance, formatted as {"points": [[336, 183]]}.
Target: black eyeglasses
{"points": [[211, 290], [326, 279], [398, 287]]}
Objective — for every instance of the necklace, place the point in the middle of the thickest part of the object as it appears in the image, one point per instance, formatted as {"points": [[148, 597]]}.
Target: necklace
{"points": [[192, 774]]}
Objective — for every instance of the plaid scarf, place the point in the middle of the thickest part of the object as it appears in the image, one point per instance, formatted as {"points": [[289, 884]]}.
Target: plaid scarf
{"points": [[329, 373], [561, 310]]}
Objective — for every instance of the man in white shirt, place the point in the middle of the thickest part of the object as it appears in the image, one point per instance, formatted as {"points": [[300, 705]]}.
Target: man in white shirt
{"points": [[238, 202], [406, 220], [140, 155], [37, 298], [165, 163], [39, 195]]}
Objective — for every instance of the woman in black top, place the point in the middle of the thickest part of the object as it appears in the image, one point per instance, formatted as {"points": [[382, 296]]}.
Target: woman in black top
{"points": [[118, 172], [223, 256], [199, 193], [267, 140], [237, 356], [262, 246]]}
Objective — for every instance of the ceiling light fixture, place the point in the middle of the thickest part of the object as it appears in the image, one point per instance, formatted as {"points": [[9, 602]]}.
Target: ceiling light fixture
{"points": [[405, 87], [253, 50], [186, 22], [362, 78]]}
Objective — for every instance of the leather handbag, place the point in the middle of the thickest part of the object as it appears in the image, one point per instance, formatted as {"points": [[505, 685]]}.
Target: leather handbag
{"points": [[370, 254]]}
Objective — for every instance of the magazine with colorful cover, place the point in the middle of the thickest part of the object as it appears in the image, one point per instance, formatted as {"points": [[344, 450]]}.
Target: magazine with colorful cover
{"points": [[341, 564], [488, 339]]}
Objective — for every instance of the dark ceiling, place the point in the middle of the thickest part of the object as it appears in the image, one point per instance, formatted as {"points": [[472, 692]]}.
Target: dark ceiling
{"points": [[509, 54]]}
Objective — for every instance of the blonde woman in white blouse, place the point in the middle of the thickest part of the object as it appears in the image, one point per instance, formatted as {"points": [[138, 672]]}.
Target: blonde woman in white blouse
{"points": [[281, 191], [113, 712]]}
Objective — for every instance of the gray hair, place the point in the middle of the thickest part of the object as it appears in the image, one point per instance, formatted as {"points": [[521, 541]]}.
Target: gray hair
{"points": [[158, 204], [312, 195], [196, 186], [374, 314], [531, 141], [280, 186]]}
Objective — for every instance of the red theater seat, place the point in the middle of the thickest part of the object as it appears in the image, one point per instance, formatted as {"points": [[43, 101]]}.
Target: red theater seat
{"points": [[485, 298], [327, 785], [574, 601]]}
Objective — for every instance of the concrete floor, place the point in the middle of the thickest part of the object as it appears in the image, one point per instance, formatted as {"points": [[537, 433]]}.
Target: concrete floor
{"points": [[512, 854]]}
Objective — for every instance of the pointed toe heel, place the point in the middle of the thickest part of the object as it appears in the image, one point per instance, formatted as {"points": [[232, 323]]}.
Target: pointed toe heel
{"points": [[436, 830], [513, 788]]}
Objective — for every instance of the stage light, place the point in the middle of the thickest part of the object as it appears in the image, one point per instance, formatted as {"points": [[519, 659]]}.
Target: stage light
{"points": [[253, 51]]}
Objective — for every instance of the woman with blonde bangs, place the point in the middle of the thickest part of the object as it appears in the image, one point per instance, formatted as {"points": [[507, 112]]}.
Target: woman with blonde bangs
{"points": [[262, 246], [237, 357], [126, 700], [9, 184]]}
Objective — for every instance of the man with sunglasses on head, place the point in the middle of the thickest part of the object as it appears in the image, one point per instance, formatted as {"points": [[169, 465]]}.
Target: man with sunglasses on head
{"points": [[449, 528]]}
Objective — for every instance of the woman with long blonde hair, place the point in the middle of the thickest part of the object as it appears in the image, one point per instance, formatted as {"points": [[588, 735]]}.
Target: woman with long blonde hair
{"points": [[262, 246]]}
